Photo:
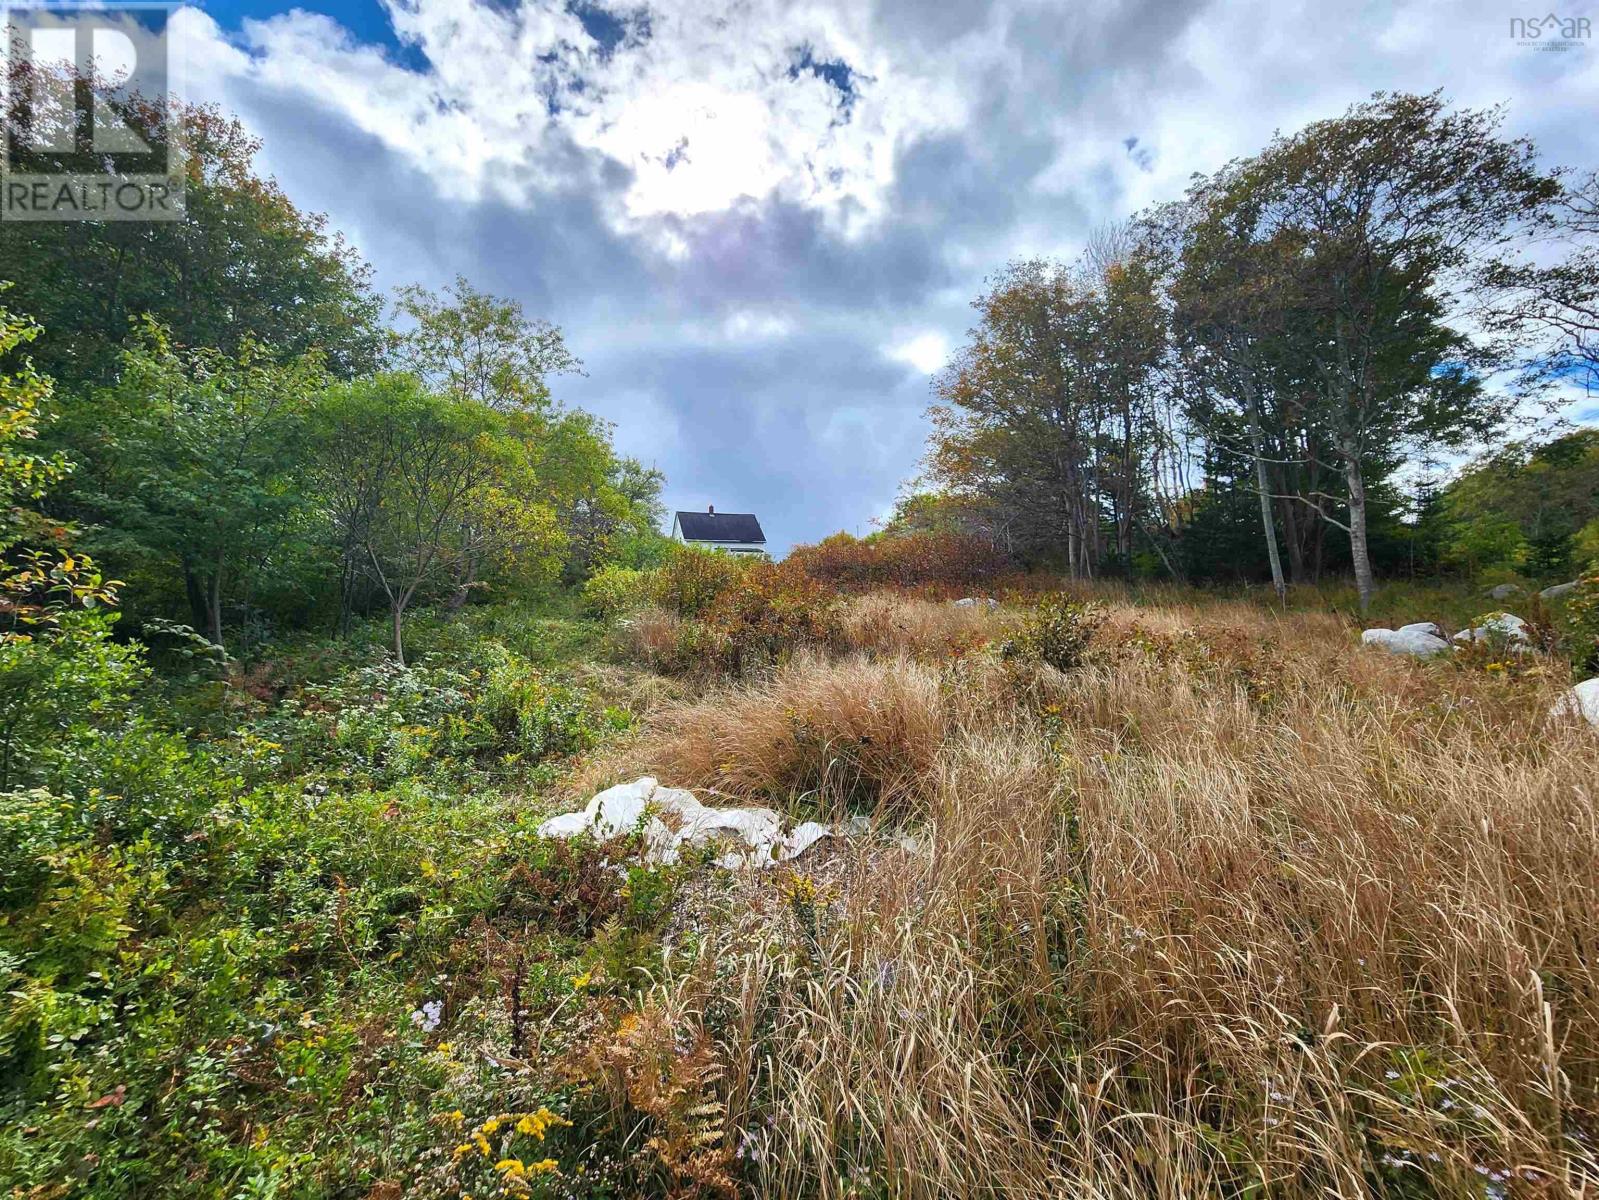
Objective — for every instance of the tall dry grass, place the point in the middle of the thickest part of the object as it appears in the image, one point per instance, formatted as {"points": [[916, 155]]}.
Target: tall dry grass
{"points": [[1236, 908]]}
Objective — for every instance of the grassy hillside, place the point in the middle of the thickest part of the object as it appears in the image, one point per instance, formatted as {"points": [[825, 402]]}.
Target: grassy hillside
{"points": [[1164, 895]]}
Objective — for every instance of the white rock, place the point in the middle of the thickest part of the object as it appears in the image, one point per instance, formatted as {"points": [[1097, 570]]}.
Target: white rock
{"points": [[1581, 701], [804, 837], [1502, 625], [965, 602], [674, 818], [566, 825], [1411, 640], [1422, 627], [1558, 590], [1502, 591]]}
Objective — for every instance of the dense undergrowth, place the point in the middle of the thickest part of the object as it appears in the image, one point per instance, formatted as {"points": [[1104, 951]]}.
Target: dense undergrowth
{"points": [[1178, 897]]}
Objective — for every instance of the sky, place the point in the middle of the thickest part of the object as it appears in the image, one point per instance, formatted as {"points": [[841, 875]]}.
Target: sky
{"points": [[761, 224]]}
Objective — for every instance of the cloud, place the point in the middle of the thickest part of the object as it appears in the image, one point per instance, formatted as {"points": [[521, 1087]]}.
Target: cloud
{"points": [[761, 223], [924, 352]]}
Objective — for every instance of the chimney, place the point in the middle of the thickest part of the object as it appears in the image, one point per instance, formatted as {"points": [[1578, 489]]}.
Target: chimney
{"points": [[711, 508]]}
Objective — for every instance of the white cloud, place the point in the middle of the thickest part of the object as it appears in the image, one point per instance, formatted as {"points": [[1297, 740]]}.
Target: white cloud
{"points": [[924, 352], [704, 106]]}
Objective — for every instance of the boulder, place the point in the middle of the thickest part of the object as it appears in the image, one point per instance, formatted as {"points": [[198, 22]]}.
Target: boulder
{"points": [[673, 818], [966, 602], [1422, 627], [1559, 590], [1502, 591], [1581, 701], [1500, 625], [1414, 640], [971, 601]]}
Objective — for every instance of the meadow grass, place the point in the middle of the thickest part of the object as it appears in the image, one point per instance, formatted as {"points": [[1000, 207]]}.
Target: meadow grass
{"points": [[1236, 906]]}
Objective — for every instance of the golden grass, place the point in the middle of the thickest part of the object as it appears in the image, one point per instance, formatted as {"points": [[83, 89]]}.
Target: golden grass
{"points": [[1238, 905]]}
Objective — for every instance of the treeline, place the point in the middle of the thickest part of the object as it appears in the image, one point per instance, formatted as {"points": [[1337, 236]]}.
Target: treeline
{"points": [[251, 440], [1231, 384]]}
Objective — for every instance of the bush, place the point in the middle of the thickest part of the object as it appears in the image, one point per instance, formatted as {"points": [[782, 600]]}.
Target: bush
{"points": [[613, 590], [906, 560], [383, 723], [1057, 633], [1582, 619], [692, 579], [772, 610]]}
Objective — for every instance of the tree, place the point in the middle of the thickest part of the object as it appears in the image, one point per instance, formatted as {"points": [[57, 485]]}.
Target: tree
{"points": [[1395, 204], [1525, 506], [475, 346], [244, 264], [25, 474], [1231, 295], [57, 661], [1051, 421], [417, 486], [1554, 307], [190, 462]]}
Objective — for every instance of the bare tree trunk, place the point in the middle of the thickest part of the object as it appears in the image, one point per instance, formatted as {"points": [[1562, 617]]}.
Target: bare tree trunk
{"points": [[214, 604], [1268, 522], [397, 614], [1358, 550], [1291, 534]]}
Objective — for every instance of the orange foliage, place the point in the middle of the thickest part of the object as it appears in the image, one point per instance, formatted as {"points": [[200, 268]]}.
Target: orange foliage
{"points": [[908, 560]]}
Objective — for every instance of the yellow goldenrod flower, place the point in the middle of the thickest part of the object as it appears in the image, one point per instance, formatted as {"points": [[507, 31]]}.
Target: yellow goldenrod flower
{"points": [[536, 1124], [579, 982], [512, 1166], [482, 1144], [491, 1125], [547, 1166]]}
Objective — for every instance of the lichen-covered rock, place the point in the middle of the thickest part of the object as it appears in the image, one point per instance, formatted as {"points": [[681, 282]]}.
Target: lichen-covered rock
{"points": [[673, 818], [1581, 701], [1502, 591], [1558, 590]]}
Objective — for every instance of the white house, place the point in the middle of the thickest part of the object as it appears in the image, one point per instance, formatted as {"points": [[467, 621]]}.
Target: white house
{"points": [[737, 533]]}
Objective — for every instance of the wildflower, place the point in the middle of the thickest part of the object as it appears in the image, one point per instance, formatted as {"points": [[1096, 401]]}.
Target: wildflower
{"points": [[512, 1166], [456, 1117], [462, 1151], [482, 1144], [536, 1124], [545, 1166], [428, 1016], [444, 1048], [492, 1125], [579, 982]]}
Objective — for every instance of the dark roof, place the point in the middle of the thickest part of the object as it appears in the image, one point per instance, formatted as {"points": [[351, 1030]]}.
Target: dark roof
{"points": [[720, 527]]}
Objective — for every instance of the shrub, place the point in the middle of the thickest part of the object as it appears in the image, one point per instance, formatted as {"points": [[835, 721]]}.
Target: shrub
{"points": [[1582, 618], [693, 578], [1057, 633], [771, 610], [613, 590], [905, 560]]}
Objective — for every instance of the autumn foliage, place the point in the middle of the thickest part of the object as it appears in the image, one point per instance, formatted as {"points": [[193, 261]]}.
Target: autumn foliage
{"points": [[908, 560]]}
